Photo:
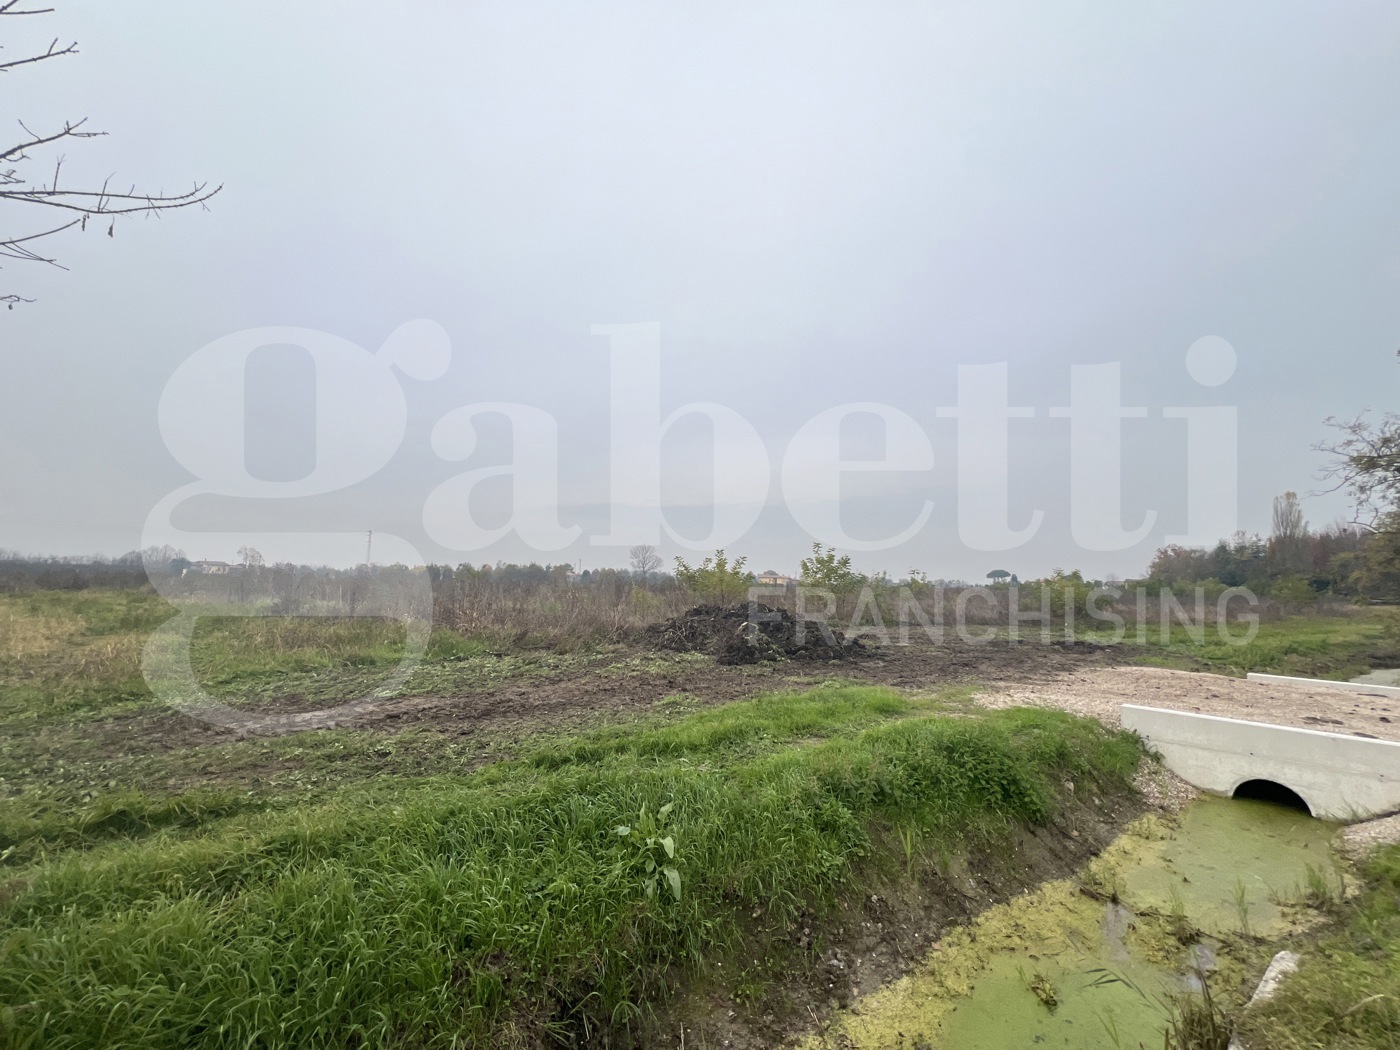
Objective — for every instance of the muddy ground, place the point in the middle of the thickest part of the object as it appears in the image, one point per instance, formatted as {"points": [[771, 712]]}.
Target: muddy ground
{"points": [[617, 683], [636, 678]]}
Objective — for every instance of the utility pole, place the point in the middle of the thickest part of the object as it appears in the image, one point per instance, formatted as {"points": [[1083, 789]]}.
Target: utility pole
{"points": [[369, 547]]}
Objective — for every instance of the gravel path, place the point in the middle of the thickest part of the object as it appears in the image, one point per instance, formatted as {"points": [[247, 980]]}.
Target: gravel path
{"points": [[1357, 840], [1100, 691]]}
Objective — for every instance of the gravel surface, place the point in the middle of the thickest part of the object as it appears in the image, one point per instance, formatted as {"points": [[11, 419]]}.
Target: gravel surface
{"points": [[1162, 789], [1100, 691], [1357, 840]]}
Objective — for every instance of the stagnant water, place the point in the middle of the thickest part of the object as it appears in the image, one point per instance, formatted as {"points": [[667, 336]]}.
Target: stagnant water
{"points": [[1059, 968]]}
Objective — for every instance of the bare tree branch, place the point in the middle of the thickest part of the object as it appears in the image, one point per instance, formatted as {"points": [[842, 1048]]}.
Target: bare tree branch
{"points": [[99, 202], [11, 248], [1365, 461], [70, 131], [18, 188], [5, 10], [54, 50]]}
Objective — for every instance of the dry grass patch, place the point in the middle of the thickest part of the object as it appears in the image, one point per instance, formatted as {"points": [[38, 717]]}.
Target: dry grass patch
{"points": [[26, 635]]}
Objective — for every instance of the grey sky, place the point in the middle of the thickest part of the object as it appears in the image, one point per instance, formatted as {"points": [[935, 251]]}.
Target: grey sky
{"points": [[820, 204]]}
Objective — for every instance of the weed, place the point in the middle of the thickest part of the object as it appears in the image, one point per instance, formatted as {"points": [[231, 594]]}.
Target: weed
{"points": [[1042, 988], [1239, 893], [1101, 880], [655, 851], [1180, 927], [1197, 1022], [908, 839]]}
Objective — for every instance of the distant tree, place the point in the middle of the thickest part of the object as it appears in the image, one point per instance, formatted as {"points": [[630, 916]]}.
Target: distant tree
{"points": [[716, 579], [1288, 517], [998, 575], [1294, 590], [1289, 540], [645, 560], [826, 570], [1365, 461], [250, 557], [72, 205], [1064, 592], [160, 556]]}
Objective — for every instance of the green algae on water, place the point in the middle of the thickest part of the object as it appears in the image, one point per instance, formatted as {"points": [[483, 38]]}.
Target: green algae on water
{"points": [[1235, 866], [1061, 968]]}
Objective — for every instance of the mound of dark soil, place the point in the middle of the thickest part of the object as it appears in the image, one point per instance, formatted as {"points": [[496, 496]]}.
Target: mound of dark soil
{"points": [[753, 633]]}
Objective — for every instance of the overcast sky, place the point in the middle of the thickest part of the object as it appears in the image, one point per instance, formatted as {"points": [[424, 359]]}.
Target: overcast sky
{"points": [[818, 204]]}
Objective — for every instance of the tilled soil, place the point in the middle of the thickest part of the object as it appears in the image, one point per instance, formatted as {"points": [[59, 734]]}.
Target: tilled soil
{"points": [[578, 697], [634, 678]]}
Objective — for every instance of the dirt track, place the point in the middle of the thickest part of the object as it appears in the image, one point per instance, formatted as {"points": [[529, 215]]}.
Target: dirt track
{"points": [[591, 692], [1079, 677]]}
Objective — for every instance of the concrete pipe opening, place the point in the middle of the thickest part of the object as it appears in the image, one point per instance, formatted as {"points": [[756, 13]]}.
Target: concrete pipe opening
{"points": [[1269, 791]]}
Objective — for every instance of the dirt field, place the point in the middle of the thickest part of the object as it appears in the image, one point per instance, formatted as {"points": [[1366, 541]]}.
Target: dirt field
{"points": [[637, 680], [1080, 677]]}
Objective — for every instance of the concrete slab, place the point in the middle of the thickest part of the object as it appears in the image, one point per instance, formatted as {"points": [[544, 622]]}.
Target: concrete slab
{"points": [[1370, 688], [1342, 778], [1384, 676]]}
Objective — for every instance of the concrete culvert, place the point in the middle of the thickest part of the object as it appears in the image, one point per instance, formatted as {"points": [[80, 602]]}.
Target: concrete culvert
{"points": [[1270, 791]]}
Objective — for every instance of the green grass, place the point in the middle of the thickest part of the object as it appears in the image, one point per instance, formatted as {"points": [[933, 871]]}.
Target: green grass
{"points": [[1346, 994], [1338, 647], [502, 906], [66, 658], [77, 717]]}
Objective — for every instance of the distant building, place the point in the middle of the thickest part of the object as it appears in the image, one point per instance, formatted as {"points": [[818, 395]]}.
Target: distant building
{"points": [[210, 568], [770, 578]]}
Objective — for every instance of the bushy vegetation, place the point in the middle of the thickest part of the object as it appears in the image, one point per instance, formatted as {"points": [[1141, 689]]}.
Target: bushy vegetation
{"points": [[1294, 564], [718, 578], [826, 569], [492, 908]]}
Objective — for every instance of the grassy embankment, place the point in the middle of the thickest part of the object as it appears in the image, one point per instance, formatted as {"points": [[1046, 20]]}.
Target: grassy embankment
{"points": [[556, 892]]}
